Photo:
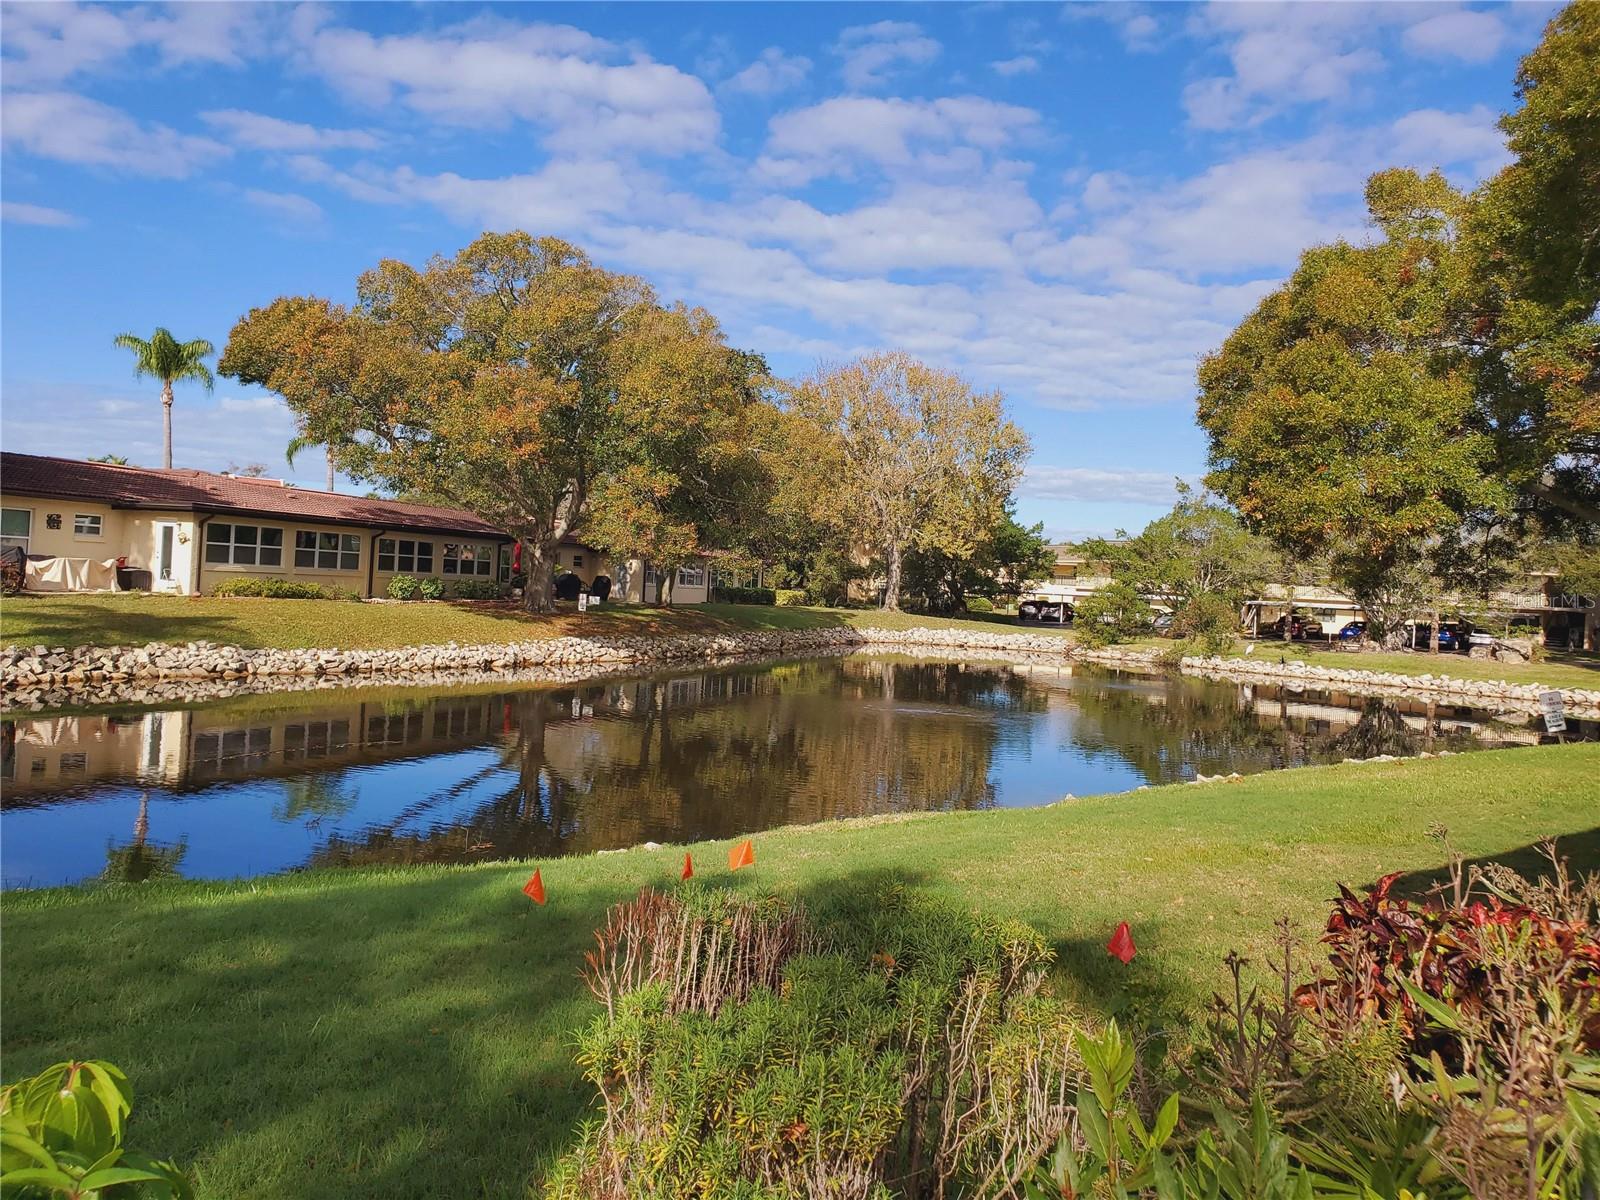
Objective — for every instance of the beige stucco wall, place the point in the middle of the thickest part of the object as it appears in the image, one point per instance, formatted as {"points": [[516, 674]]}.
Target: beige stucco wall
{"points": [[124, 533]]}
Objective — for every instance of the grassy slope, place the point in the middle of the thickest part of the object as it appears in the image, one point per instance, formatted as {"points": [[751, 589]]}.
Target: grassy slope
{"points": [[138, 619], [408, 1032], [1562, 668]]}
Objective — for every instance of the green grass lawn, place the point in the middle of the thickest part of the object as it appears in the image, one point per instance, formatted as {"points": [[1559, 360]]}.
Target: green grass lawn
{"points": [[409, 1031], [136, 619], [1561, 668]]}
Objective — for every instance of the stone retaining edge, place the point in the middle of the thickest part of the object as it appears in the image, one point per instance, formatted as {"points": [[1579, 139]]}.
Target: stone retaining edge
{"points": [[41, 676]]}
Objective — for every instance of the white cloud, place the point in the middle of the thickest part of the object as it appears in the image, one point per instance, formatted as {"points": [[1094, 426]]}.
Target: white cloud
{"points": [[1431, 138], [1138, 30], [587, 94], [1283, 55], [36, 214], [76, 129], [1099, 484], [287, 206], [261, 132], [1023, 64], [74, 421], [48, 43], [872, 53], [1468, 35], [771, 73], [838, 135]]}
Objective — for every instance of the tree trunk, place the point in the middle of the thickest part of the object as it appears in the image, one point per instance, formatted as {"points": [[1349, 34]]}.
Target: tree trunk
{"points": [[538, 567], [891, 585], [1433, 642], [330, 468], [166, 424]]}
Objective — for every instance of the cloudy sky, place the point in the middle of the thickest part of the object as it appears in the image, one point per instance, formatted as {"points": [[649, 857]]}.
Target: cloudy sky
{"points": [[1069, 203]]}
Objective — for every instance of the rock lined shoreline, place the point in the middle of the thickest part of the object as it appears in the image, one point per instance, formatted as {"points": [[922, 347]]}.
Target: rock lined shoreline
{"points": [[39, 677]]}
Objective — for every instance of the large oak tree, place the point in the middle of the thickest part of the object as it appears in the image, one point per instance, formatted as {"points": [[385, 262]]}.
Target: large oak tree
{"points": [[905, 456], [518, 380]]}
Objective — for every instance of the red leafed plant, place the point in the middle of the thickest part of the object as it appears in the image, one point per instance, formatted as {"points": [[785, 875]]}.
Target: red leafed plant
{"points": [[1487, 938]]}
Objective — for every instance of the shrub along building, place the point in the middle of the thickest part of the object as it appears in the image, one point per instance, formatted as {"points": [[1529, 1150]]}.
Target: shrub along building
{"points": [[86, 526]]}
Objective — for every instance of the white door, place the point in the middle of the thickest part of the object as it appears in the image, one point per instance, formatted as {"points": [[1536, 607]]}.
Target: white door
{"points": [[166, 554]]}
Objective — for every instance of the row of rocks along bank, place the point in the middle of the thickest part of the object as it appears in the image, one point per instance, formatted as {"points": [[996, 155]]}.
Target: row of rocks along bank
{"points": [[40, 676]]}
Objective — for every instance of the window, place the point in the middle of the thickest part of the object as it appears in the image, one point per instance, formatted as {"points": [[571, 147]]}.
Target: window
{"points": [[16, 526], [327, 551], [244, 545], [86, 525], [694, 576], [405, 556], [577, 560], [464, 558]]}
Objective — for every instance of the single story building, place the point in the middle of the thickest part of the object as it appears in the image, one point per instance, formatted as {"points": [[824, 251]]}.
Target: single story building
{"points": [[90, 526]]}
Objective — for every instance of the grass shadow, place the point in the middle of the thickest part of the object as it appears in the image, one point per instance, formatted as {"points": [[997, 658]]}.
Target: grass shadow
{"points": [[85, 622], [1581, 850]]}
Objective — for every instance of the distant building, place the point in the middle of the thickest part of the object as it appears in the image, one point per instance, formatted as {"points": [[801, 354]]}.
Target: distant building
{"points": [[99, 526], [1558, 619]]}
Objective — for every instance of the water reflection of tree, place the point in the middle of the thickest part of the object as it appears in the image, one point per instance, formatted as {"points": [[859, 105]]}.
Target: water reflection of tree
{"points": [[1163, 725], [1379, 730], [314, 798], [806, 742], [141, 859]]}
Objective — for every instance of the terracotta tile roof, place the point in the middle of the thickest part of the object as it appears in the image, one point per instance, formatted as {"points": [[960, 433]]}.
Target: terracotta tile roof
{"points": [[210, 492]]}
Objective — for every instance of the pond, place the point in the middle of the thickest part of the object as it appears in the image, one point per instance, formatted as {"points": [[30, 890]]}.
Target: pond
{"points": [[365, 775]]}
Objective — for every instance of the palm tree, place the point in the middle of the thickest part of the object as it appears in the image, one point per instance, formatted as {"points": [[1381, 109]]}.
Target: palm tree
{"points": [[165, 358], [298, 444]]}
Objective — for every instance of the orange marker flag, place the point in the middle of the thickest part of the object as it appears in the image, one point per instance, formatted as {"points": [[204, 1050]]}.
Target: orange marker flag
{"points": [[742, 855], [1121, 944], [534, 888], [688, 868]]}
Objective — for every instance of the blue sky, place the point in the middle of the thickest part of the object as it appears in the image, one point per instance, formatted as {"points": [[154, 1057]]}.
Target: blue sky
{"points": [[1068, 203]]}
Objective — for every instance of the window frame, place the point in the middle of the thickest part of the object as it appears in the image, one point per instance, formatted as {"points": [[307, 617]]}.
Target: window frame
{"points": [[482, 556], [257, 547], [24, 540], [346, 546], [691, 576], [80, 534], [398, 557]]}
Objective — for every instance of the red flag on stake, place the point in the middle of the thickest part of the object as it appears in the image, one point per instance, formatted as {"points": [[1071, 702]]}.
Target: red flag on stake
{"points": [[742, 855], [1121, 944], [688, 868], [534, 888]]}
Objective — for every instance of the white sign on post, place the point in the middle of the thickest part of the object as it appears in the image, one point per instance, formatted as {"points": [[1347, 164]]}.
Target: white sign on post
{"points": [[583, 601], [1555, 718]]}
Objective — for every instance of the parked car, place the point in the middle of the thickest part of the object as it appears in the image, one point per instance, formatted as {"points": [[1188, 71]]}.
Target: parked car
{"points": [[1295, 627], [1453, 636], [1352, 631], [1044, 610]]}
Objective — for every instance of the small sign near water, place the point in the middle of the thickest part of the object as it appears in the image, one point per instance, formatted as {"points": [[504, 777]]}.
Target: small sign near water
{"points": [[1555, 717]]}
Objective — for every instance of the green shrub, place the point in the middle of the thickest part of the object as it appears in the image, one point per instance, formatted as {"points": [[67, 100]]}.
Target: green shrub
{"points": [[751, 1050], [431, 588], [478, 589], [789, 597], [276, 589], [63, 1133], [980, 604], [1116, 613], [404, 587], [744, 595]]}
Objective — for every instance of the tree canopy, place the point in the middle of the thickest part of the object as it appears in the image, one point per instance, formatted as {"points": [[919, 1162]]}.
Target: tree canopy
{"points": [[907, 456], [520, 381]]}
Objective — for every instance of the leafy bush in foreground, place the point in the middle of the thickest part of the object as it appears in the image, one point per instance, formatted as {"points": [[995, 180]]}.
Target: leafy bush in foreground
{"points": [[430, 588], [883, 1045], [63, 1136], [1115, 613], [276, 589], [478, 589], [745, 595], [751, 1049], [404, 587]]}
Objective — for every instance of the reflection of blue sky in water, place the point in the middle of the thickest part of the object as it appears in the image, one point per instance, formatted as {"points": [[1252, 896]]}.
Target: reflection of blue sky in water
{"points": [[447, 776]]}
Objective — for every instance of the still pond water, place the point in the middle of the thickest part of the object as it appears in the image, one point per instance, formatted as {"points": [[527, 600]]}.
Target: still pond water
{"points": [[269, 783]]}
